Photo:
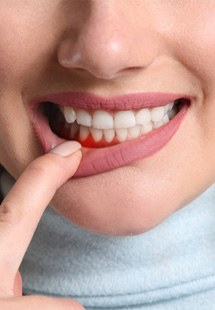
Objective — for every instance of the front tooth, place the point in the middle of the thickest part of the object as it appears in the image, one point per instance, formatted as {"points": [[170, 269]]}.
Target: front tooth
{"points": [[102, 120], [84, 118], [122, 134], [143, 116], [124, 119], [109, 134], [157, 114], [69, 114], [96, 134], [84, 133]]}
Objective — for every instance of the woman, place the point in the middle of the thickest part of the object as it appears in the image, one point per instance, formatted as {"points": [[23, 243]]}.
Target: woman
{"points": [[133, 82]]}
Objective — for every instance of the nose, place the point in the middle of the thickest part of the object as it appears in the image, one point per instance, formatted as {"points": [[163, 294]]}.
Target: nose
{"points": [[108, 43]]}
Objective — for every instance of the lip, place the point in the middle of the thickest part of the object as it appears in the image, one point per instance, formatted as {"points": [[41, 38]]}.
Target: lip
{"points": [[98, 160], [125, 102]]}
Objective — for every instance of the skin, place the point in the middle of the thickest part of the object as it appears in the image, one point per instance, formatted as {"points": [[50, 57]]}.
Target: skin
{"points": [[108, 48], [112, 48], [16, 224]]}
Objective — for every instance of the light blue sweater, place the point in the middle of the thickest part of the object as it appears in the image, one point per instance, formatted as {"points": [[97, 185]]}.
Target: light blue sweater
{"points": [[171, 267]]}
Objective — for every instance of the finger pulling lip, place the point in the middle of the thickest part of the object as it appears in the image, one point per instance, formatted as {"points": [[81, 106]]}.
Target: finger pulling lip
{"points": [[98, 160]]}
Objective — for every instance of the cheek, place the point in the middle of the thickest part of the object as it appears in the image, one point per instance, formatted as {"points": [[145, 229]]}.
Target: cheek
{"points": [[24, 51], [18, 143], [206, 119], [25, 44], [14, 51], [197, 48]]}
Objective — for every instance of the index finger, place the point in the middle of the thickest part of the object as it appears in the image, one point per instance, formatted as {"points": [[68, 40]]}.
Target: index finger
{"points": [[23, 207]]}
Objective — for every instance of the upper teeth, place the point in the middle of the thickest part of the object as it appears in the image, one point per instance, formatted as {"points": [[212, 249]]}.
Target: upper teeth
{"points": [[101, 119]]}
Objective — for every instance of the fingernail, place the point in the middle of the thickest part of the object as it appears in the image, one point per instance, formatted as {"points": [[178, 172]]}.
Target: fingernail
{"points": [[66, 148]]}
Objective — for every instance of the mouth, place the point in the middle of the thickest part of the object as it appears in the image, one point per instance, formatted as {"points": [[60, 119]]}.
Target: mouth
{"points": [[113, 132]]}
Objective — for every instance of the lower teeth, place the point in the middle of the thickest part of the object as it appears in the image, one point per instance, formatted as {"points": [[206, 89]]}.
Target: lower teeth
{"points": [[92, 137]]}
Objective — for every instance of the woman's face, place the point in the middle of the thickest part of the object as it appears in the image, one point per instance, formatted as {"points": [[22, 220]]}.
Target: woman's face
{"points": [[102, 54]]}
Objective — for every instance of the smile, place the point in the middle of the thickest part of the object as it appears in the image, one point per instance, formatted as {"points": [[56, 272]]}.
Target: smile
{"points": [[114, 132], [101, 128]]}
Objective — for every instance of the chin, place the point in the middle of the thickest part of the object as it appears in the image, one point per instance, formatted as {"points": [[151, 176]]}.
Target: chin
{"points": [[111, 218]]}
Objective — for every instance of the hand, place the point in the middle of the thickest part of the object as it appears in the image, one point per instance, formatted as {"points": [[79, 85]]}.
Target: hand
{"points": [[20, 213]]}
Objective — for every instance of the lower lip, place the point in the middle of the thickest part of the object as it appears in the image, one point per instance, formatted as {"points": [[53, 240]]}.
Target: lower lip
{"points": [[99, 160]]}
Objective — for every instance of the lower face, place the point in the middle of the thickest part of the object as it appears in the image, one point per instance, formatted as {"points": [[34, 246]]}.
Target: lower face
{"points": [[140, 193]]}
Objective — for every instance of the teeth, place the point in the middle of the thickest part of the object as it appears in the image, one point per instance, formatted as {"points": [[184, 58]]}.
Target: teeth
{"points": [[123, 125], [96, 134], [171, 113], [157, 114], [124, 119], [66, 125], [146, 128], [84, 118], [165, 119], [166, 108], [109, 134], [134, 132], [69, 114], [84, 133], [102, 120], [157, 124], [170, 105], [74, 129], [143, 116], [121, 134]]}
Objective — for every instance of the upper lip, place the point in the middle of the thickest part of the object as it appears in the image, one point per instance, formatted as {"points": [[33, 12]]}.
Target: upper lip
{"points": [[124, 102]]}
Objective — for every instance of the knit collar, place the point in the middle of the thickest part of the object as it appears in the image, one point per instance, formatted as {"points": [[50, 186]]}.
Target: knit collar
{"points": [[172, 260]]}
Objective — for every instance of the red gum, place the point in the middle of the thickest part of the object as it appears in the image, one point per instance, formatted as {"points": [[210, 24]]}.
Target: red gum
{"points": [[88, 142]]}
